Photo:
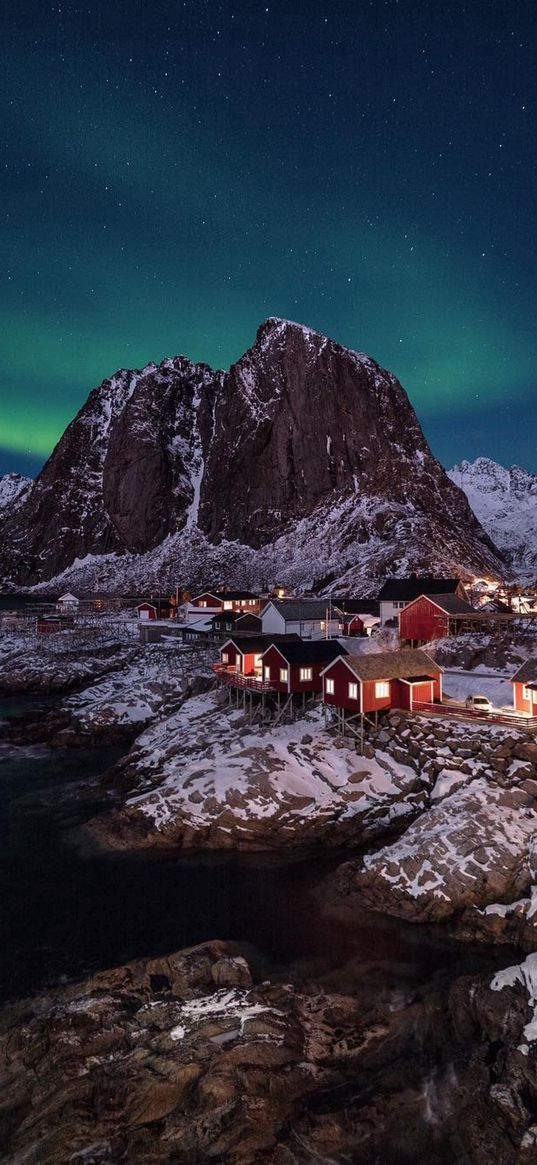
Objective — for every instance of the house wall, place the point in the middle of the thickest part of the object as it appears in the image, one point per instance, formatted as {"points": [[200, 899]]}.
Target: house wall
{"points": [[273, 660], [374, 703], [422, 693], [527, 707], [232, 653], [272, 622], [421, 621], [342, 676], [390, 610], [208, 603], [354, 626], [146, 611]]}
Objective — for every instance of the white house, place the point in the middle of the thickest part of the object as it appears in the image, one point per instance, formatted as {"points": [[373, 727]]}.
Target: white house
{"points": [[309, 618], [67, 602]]}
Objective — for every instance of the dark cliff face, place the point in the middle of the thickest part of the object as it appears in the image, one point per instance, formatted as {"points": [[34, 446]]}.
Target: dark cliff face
{"points": [[300, 417], [299, 422]]}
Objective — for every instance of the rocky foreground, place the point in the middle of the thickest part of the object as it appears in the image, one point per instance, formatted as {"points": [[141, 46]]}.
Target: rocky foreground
{"points": [[470, 857], [186, 1059]]}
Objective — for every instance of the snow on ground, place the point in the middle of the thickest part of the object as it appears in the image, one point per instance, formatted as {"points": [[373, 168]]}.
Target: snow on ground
{"points": [[49, 663], [498, 687], [203, 769], [471, 848], [149, 685]]}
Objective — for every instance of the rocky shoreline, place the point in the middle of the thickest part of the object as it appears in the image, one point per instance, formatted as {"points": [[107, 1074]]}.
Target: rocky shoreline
{"points": [[189, 1058]]}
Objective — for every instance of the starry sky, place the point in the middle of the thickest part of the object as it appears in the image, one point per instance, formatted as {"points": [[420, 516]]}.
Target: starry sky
{"points": [[174, 172]]}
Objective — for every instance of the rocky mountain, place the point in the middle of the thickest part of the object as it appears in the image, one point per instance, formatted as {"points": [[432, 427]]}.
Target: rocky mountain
{"points": [[505, 501], [304, 462], [11, 486]]}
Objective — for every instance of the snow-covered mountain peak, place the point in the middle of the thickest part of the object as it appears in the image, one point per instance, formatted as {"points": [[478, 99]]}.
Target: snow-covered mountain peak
{"points": [[505, 501], [12, 485]]}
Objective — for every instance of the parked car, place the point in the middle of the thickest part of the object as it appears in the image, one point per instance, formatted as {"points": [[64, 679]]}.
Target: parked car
{"points": [[478, 703]]}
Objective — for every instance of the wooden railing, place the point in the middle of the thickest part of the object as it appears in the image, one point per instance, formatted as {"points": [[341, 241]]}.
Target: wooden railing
{"points": [[228, 675], [458, 712]]}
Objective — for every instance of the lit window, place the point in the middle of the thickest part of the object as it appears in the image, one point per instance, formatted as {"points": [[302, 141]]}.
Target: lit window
{"points": [[266, 672], [283, 675], [225, 657], [329, 687], [306, 674], [382, 691], [353, 691], [228, 606], [322, 624], [526, 693], [203, 603]]}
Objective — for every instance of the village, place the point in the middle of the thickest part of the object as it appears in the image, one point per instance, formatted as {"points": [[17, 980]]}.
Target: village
{"points": [[275, 655]]}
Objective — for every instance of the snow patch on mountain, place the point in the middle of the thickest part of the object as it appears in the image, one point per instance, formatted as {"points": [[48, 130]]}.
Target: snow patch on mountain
{"points": [[505, 502], [12, 485]]}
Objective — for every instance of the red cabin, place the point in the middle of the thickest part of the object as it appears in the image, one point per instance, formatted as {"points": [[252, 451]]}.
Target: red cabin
{"points": [[296, 666], [379, 681], [227, 601], [525, 688], [429, 617]]}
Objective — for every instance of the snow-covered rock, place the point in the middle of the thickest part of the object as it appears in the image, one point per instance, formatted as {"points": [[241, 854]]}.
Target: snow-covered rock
{"points": [[203, 777], [12, 485], [505, 502]]}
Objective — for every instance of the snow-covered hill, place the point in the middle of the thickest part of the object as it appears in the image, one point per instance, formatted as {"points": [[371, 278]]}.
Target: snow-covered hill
{"points": [[505, 501], [12, 485]]}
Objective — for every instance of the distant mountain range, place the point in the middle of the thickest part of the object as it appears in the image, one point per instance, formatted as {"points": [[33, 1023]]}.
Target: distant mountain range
{"points": [[305, 464], [505, 501]]}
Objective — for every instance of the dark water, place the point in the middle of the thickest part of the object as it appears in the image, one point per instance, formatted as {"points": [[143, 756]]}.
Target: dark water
{"points": [[67, 909]]}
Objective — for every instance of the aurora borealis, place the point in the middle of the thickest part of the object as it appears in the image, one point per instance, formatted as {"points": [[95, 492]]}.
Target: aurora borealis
{"points": [[176, 172]]}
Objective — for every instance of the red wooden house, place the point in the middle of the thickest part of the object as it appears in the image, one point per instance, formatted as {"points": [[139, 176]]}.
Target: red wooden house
{"points": [[296, 666], [227, 601], [431, 617], [379, 681], [157, 609], [525, 688], [243, 653]]}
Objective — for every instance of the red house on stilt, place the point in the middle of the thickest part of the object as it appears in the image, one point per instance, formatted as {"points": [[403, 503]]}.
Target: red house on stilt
{"points": [[376, 682]]}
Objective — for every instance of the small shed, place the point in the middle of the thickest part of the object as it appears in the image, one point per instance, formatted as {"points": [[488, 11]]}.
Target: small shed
{"points": [[524, 684], [156, 609]]}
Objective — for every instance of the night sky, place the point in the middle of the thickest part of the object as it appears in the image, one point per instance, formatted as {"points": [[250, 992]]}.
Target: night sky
{"points": [[176, 172]]}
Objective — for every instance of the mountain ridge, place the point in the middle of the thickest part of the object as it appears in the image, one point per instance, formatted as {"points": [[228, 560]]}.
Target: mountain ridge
{"points": [[304, 457], [505, 502]]}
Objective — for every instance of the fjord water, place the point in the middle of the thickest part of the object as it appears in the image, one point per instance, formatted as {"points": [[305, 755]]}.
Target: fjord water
{"points": [[68, 908]]}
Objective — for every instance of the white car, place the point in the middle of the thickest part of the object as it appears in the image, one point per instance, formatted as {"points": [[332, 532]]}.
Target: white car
{"points": [[478, 703]]}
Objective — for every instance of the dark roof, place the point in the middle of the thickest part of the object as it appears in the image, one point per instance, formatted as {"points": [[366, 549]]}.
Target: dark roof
{"points": [[301, 609], [357, 606], [451, 604], [527, 674], [259, 643], [400, 589], [393, 665], [225, 617], [310, 651], [243, 622]]}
